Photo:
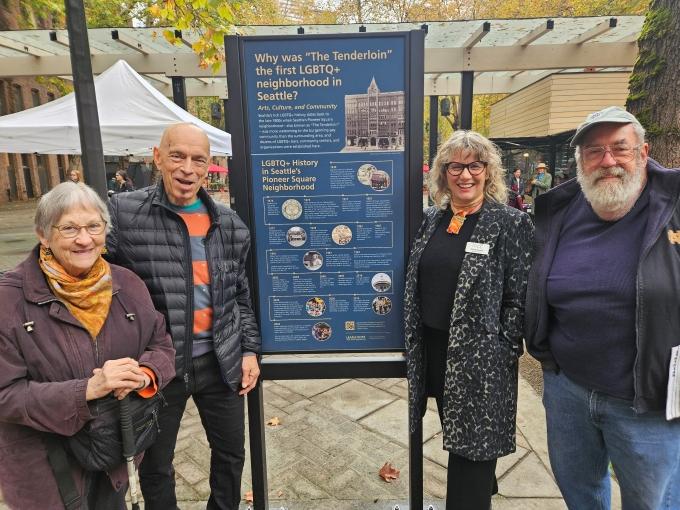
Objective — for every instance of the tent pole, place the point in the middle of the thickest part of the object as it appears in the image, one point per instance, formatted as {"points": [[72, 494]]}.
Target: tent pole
{"points": [[86, 98]]}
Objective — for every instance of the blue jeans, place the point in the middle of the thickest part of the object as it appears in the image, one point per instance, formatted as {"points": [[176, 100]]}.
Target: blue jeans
{"points": [[588, 429], [222, 415]]}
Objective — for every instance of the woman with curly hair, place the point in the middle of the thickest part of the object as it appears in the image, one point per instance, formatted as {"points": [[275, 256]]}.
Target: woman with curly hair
{"points": [[464, 312]]}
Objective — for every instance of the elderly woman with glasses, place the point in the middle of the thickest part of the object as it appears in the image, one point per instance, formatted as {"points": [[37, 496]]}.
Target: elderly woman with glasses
{"points": [[464, 312], [75, 330]]}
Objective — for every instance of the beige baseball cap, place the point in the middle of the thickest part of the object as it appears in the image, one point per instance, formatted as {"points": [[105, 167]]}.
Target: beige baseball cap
{"points": [[611, 114]]}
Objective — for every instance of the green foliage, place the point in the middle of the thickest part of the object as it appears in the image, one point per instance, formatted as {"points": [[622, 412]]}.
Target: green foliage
{"points": [[108, 13], [55, 85], [211, 19], [201, 107], [481, 111]]}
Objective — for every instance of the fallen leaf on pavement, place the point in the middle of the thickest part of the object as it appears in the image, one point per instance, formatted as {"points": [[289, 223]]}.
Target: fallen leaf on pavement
{"points": [[248, 497], [274, 422], [388, 472]]}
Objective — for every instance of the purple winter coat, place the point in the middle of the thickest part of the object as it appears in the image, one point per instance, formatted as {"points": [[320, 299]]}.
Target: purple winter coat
{"points": [[44, 373]]}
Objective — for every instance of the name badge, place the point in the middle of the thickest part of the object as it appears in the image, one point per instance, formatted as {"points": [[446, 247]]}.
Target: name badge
{"points": [[480, 248]]}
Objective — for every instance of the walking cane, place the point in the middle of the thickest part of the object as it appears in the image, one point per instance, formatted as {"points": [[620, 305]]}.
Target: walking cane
{"points": [[129, 448]]}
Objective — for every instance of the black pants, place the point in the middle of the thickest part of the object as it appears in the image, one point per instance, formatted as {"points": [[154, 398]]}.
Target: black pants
{"points": [[469, 484], [222, 414]]}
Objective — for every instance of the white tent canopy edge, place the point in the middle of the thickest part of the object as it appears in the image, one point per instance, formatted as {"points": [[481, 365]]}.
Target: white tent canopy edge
{"points": [[132, 117]]}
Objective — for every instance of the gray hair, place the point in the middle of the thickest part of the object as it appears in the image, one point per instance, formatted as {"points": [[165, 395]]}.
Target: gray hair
{"points": [[638, 129], [495, 187], [63, 198]]}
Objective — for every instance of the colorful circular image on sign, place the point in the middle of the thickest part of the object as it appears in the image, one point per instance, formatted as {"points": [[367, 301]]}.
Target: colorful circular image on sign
{"points": [[381, 282], [312, 260], [380, 180], [296, 236], [321, 331], [382, 305], [291, 209], [341, 235], [364, 174], [315, 306]]}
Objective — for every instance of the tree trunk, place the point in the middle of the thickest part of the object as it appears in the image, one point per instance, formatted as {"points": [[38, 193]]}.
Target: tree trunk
{"points": [[654, 92], [10, 14]]}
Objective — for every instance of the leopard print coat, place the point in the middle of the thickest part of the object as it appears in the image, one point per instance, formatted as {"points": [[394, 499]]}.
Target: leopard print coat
{"points": [[485, 335]]}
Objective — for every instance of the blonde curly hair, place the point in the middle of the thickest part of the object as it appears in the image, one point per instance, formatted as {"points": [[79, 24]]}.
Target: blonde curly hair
{"points": [[468, 142]]}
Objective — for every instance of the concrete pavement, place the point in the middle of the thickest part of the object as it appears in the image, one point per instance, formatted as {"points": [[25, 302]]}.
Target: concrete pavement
{"points": [[336, 434]]}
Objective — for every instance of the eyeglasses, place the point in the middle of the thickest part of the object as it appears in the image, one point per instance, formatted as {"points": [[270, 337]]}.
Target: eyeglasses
{"points": [[69, 230], [455, 169], [620, 153]]}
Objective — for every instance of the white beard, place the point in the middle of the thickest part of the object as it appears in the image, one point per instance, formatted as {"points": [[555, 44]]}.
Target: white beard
{"points": [[611, 199]]}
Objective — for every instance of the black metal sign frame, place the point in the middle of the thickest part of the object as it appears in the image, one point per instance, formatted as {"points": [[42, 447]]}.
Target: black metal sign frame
{"points": [[333, 366]]}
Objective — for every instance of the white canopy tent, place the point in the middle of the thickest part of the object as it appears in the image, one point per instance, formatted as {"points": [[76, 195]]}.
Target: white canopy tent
{"points": [[132, 116]]}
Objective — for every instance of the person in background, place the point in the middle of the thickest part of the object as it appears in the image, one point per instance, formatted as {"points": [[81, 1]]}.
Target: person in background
{"points": [[541, 182], [463, 314], [603, 315], [516, 187], [123, 182], [74, 176], [66, 343], [191, 252]]}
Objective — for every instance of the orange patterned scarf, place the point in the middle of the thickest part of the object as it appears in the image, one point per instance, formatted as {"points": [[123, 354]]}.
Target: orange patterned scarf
{"points": [[459, 215], [88, 298]]}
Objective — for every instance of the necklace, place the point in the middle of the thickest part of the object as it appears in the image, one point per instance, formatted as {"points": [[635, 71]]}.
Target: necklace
{"points": [[459, 215]]}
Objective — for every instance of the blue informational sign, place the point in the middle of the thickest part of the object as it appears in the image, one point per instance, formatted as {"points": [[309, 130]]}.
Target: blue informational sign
{"points": [[326, 120]]}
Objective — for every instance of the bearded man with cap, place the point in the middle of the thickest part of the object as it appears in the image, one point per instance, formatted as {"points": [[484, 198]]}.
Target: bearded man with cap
{"points": [[603, 316]]}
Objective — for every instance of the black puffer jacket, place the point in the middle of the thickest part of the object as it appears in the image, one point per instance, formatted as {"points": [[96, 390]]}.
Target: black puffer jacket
{"points": [[153, 241]]}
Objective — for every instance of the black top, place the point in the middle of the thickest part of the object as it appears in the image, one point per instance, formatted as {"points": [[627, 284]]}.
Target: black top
{"points": [[439, 268]]}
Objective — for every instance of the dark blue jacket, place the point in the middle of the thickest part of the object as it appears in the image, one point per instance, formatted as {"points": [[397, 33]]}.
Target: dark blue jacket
{"points": [[657, 319]]}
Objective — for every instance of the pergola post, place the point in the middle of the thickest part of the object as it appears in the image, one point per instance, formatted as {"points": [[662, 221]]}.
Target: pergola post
{"points": [[466, 96], [434, 128], [86, 99], [179, 94]]}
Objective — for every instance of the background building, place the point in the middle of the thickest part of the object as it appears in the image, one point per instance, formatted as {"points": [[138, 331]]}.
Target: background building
{"points": [[24, 176]]}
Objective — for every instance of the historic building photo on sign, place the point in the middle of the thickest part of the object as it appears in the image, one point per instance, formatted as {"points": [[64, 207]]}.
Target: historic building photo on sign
{"points": [[374, 121]]}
